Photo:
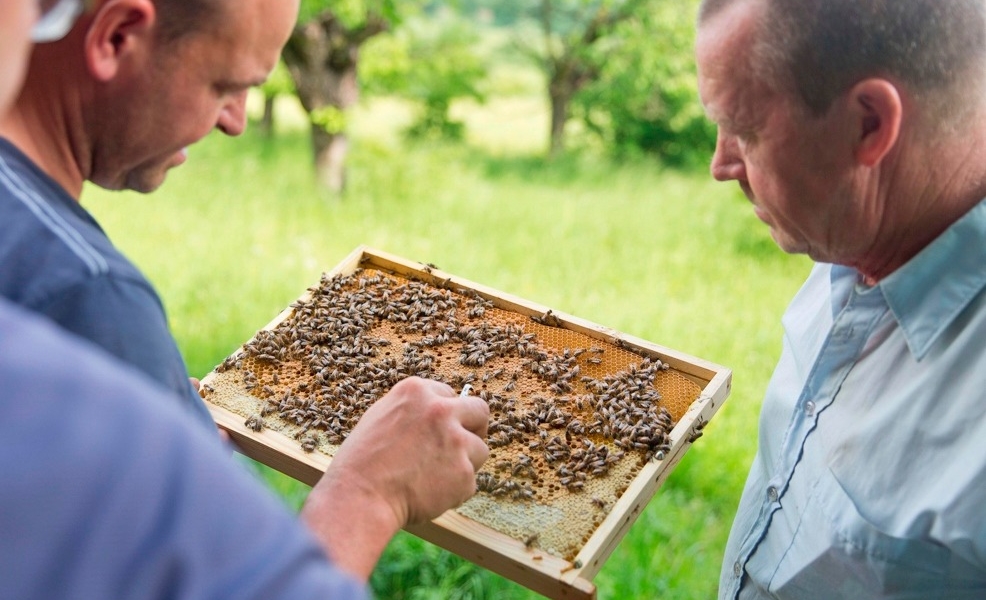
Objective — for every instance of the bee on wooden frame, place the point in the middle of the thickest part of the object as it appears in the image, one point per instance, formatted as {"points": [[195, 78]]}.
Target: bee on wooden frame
{"points": [[255, 422], [308, 444]]}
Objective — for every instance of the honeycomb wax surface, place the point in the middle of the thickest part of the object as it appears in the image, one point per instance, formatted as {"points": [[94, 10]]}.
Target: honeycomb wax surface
{"points": [[572, 418]]}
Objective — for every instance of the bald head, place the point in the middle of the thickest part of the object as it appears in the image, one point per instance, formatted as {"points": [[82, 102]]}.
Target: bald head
{"points": [[178, 18]]}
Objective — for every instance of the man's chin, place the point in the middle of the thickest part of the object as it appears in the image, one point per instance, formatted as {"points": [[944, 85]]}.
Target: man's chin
{"points": [[763, 216], [145, 183], [152, 177], [787, 244]]}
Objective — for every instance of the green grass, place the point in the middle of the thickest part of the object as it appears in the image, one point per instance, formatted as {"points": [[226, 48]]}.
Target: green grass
{"points": [[240, 231]]}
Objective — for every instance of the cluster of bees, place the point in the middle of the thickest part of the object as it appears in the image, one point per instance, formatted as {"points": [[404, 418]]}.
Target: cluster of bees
{"points": [[621, 410], [559, 418]]}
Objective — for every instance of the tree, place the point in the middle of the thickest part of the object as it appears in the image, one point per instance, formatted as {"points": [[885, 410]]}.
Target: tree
{"points": [[322, 56], [502, 12], [646, 97], [573, 33], [432, 61], [278, 84]]}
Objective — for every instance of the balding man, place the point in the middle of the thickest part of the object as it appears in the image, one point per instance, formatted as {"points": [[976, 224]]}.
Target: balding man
{"points": [[855, 128]]}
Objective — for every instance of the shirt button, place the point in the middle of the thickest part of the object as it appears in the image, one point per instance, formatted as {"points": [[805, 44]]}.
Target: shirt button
{"points": [[737, 569], [809, 408], [772, 494]]}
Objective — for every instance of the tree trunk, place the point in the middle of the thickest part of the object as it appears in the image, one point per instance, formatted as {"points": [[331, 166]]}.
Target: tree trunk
{"points": [[561, 97], [321, 56], [330, 151], [267, 119], [568, 62]]}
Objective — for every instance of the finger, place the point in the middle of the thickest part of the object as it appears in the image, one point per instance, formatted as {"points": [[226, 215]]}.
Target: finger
{"points": [[468, 492], [473, 413], [478, 452], [441, 388], [432, 386]]}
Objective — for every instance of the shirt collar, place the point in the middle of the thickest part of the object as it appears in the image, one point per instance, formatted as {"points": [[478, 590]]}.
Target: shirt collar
{"points": [[931, 290]]}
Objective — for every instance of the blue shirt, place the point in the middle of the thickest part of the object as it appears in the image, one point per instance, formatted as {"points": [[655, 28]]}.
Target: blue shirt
{"points": [[109, 491], [56, 260], [870, 475]]}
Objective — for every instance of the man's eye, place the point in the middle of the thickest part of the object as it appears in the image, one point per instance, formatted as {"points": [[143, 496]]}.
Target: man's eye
{"points": [[745, 137]]}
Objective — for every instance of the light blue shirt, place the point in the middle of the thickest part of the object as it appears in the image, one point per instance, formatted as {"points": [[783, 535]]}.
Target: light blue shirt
{"points": [[870, 476]]}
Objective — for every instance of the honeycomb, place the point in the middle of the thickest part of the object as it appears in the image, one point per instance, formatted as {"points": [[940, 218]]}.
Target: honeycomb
{"points": [[572, 418]]}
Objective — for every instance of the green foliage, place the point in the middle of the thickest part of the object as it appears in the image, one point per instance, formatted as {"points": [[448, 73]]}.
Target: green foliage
{"points": [[646, 99], [332, 120], [502, 12], [432, 62], [279, 82], [644, 102], [569, 19], [385, 64], [412, 569], [354, 12]]}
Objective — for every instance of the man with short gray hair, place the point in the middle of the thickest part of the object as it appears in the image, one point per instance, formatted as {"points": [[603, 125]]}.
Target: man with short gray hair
{"points": [[855, 128]]}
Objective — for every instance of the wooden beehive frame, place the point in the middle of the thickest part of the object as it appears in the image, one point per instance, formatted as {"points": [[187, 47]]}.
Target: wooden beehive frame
{"points": [[542, 572]]}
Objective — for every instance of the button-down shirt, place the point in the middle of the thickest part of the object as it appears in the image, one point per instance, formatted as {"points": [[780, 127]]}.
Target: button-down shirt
{"points": [[870, 475]]}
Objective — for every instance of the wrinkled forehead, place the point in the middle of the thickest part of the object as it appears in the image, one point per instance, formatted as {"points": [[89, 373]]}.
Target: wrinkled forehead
{"points": [[724, 50]]}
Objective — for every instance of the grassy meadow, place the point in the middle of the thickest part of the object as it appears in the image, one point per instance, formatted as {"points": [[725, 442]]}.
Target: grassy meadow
{"points": [[241, 230]]}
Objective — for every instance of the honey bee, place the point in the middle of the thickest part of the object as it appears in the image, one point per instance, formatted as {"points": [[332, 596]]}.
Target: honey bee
{"points": [[255, 422], [485, 482]]}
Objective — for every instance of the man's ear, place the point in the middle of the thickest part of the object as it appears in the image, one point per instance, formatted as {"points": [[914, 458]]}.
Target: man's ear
{"points": [[877, 111], [119, 30]]}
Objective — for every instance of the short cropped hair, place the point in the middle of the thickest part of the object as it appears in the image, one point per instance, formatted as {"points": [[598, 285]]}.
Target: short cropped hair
{"points": [[179, 18], [819, 49]]}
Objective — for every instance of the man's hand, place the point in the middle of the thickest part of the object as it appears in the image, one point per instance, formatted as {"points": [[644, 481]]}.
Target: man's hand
{"points": [[412, 456]]}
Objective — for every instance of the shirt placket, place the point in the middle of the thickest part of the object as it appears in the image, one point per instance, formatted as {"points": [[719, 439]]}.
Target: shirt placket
{"points": [[839, 353]]}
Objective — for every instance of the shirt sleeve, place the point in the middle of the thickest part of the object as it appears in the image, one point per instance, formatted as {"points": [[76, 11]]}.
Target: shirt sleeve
{"points": [[109, 491], [127, 320]]}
